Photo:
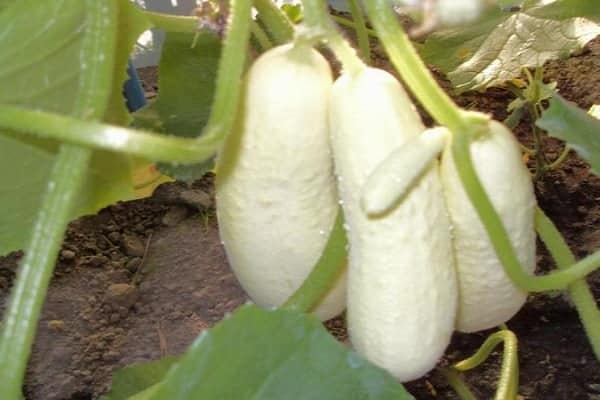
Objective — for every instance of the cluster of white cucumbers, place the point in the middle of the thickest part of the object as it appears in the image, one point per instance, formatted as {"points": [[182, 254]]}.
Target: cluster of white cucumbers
{"points": [[420, 263]]}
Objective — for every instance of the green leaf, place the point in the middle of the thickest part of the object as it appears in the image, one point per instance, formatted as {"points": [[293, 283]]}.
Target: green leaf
{"points": [[258, 354], [496, 50], [41, 67], [138, 377], [580, 130], [186, 81]]}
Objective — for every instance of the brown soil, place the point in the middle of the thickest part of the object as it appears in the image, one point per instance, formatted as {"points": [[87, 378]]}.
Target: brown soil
{"points": [[141, 279]]}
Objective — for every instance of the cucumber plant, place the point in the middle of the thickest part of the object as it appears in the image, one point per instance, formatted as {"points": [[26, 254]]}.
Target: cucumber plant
{"points": [[388, 254]]}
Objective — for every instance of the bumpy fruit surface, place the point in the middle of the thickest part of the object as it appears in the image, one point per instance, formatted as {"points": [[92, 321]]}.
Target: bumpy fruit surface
{"points": [[402, 291], [487, 297], [276, 196]]}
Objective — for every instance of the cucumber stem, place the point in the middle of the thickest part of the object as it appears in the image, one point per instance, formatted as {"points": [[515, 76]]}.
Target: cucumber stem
{"points": [[66, 178], [580, 293], [277, 23], [323, 276], [360, 27], [509, 373], [320, 26]]}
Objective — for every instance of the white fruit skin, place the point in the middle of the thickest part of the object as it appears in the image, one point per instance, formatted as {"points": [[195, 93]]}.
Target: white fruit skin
{"points": [[401, 280], [276, 196], [487, 297]]}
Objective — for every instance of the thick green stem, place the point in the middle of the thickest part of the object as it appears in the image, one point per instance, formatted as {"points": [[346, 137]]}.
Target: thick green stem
{"points": [[34, 273], [277, 23], [261, 37], [412, 69], [360, 28], [173, 23], [231, 68], [145, 144], [323, 276], [498, 235], [67, 176], [509, 374], [350, 24], [580, 293], [319, 24]]}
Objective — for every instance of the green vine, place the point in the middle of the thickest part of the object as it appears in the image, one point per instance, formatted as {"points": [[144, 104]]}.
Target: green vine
{"points": [[279, 25], [580, 293], [360, 27], [508, 383], [66, 178], [152, 146], [325, 273]]}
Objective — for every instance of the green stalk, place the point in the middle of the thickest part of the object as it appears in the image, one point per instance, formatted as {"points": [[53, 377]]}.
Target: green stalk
{"points": [[277, 23], [454, 380], [319, 24], [173, 23], [34, 273], [580, 293], [412, 69], [231, 68], [499, 237], [66, 178], [360, 28], [509, 373], [261, 37], [152, 146], [323, 276], [350, 24]]}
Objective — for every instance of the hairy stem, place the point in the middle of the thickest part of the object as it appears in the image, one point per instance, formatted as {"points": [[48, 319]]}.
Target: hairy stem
{"points": [[66, 178], [152, 146], [317, 19], [261, 37], [412, 69], [580, 293], [360, 27], [351, 24], [277, 23]]}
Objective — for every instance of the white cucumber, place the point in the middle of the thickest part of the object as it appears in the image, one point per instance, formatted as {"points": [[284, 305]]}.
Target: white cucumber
{"points": [[401, 281], [487, 296], [276, 196]]}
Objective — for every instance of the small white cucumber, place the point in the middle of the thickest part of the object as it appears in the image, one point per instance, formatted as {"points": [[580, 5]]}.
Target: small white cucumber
{"points": [[487, 296], [276, 195], [402, 291]]}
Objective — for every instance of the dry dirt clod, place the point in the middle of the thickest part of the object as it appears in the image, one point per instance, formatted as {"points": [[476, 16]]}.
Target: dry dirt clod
{"points": [[196, 198], [174, 215], [121, 294], [133, 246]]}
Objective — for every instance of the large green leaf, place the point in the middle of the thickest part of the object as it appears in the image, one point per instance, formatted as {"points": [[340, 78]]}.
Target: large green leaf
{"points": [[187, 77], [136, 378], [258, 354], [496, 49], [41, 66], [580, 130]]}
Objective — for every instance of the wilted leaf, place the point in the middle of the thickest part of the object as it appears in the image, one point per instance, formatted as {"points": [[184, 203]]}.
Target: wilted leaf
{"points": [[495, 50]]}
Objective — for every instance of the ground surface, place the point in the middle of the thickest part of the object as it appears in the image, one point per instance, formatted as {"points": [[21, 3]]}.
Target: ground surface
{"points": [[141, 279]]}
